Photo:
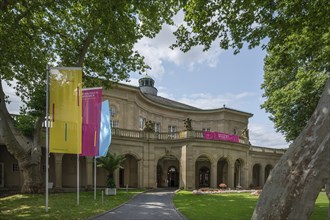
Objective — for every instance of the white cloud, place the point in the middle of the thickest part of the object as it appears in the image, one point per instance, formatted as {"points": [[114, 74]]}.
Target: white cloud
{"points": [[157, 50], [211, 101], [132, 81], [265, 136]]}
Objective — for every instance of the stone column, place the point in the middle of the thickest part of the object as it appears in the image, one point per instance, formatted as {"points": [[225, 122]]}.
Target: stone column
{"points": [[262, 175], [89, 173], [58, 170], [239, 175], [140, 173], [116, 177], [213, 175], [183, 167], [231, 169]]}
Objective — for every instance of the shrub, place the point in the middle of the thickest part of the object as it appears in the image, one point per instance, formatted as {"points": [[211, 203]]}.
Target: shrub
{"points": [[223, 186]]}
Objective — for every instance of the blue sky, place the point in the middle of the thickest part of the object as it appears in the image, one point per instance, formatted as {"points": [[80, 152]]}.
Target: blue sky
{"points": [[206, 80], [210, 80]]}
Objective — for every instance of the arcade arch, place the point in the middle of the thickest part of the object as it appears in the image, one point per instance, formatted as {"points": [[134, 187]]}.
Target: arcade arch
{"points": [[238, 173], [268, 169], [202, 172], [168, 171], [128, 174], [222, 171], [256, 175]]}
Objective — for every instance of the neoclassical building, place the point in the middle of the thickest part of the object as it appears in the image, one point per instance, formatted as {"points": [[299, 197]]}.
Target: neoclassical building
{"points": [[166, 144]]}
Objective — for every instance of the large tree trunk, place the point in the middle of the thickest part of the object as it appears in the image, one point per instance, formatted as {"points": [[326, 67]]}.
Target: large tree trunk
{"points": [[26, 151], [295, 182]]}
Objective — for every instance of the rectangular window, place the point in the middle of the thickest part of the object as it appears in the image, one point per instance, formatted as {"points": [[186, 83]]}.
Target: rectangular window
{"points": [[113, 111], [142, 122], [172, 132], [157, 127], [171, 129], [15, 167], [114, 123], [206, 129]]}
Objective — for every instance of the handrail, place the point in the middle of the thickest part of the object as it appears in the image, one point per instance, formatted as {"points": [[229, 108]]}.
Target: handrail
{"points": [[163, 135], [179, 135]]}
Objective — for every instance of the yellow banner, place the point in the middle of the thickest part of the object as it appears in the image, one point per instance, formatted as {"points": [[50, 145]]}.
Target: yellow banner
{"points": [[65, 110]]}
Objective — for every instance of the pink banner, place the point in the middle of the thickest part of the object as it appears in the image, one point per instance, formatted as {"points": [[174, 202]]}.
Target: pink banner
{"points": [[91, 111], [220, 136]]}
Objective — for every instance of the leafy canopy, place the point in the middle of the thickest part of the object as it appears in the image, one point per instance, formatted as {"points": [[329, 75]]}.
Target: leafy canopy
{"points": [[97, 35], [296, 35]]}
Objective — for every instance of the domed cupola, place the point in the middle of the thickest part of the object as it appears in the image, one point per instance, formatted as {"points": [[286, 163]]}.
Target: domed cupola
{"points": [[146, 84]]}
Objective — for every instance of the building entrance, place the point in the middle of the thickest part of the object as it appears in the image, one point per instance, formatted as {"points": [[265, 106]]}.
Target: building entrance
{"points": [[172, 177], [204, 177], [168, 172]]}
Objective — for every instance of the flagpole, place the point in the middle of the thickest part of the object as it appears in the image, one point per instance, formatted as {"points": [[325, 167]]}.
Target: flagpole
{"points": [[47, 132], [78, 179]]}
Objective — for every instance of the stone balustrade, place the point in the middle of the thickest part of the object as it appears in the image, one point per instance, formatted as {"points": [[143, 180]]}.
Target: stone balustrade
{"points": [[163, 135]]}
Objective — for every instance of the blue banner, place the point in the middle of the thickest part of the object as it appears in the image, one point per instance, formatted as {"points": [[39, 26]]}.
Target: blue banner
{"points": [[105, 129]]}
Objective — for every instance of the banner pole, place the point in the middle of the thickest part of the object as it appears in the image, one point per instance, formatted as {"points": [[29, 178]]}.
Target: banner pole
{"points": [[78, 179], [95, 178], [47, 132]]}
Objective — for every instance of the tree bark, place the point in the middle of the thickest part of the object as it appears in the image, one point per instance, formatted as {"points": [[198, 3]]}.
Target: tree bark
{"points": [[26, 151], [296, 180]]}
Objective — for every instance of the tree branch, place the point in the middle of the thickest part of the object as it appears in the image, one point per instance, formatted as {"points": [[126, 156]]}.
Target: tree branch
{"points": [[85, 45]]}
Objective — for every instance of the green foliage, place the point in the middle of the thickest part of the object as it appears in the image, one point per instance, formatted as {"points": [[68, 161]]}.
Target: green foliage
{"points": [[110, 163], [111, 182], [226, 205], [291, 95], [61, 205], [25, 123], [96, 35], [296, 35]]}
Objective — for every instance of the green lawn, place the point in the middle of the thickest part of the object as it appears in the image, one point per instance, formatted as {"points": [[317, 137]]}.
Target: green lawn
{"points": [[230, 206], [64, 205], [61, 205]]}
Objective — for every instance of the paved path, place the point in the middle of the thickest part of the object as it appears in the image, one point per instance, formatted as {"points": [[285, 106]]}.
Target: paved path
{"points": [[151, 205]]}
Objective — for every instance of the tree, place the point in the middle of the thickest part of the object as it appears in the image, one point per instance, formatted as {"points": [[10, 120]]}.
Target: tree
{"points": [[110, 163], [292, 92], [296, 37], [96, 35]]}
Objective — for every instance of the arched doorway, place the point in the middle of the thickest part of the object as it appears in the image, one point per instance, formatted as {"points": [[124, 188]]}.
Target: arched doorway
{"points": [[168, 171], [268, 169], [173, 177], [203, 174], [238, 173], [222, 171], [204, 177], [256, 175], [128, 174]]}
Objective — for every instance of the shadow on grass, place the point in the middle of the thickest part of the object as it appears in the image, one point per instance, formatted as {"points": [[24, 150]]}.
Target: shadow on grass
{"points": [[229, 206], [61, 205], [215, 206]]}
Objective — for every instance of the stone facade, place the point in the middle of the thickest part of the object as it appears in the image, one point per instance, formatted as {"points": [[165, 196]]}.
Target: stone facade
{"points": [[168, 156]]}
